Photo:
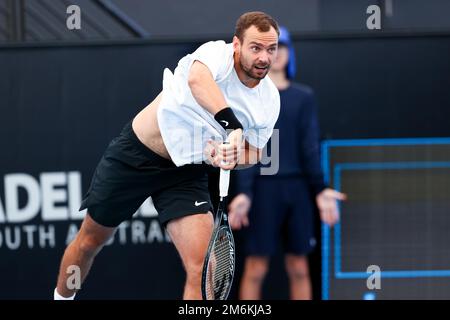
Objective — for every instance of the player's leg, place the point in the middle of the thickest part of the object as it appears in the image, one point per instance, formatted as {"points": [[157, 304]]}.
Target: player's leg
{"points": [[191, 235], [255, 271], [81, 253], [299, 280], [123, 179], [184, 208]]}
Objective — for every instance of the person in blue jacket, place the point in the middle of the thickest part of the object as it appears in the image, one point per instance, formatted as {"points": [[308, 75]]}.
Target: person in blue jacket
{"points": [[280, 207]]}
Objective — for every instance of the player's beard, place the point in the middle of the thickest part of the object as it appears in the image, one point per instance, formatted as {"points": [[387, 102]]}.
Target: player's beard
{"points": [[252, 72]]}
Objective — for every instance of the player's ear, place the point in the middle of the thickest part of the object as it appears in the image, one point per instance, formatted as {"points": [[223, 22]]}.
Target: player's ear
{"points": [[236, 44]]}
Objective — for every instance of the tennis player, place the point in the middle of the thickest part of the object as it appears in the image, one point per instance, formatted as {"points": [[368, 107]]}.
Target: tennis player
{"points": [[218, 92]]}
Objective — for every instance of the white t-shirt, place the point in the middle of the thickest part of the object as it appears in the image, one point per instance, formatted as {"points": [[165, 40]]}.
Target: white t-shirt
{"points": [[186, 126]]}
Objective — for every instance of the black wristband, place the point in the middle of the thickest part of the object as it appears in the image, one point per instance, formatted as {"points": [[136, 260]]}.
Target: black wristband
{"points": [[227, 119]]}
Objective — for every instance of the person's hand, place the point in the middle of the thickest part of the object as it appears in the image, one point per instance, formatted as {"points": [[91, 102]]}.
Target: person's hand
{"points": [[238, 211], [225, 155], [327, 204]]}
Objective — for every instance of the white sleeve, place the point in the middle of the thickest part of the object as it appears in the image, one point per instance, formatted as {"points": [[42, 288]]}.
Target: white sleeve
{"points": [[214, 55]]}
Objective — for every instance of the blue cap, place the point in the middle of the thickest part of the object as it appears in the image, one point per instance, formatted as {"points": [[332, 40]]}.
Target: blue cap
{"points": [[285, 39]]}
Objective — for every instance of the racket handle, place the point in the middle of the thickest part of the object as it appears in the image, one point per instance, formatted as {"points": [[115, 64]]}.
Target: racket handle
{"points": [[224, 182]]}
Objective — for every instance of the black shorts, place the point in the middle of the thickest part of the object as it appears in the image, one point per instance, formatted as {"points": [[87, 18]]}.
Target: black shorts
{"points": [[129, 172]]}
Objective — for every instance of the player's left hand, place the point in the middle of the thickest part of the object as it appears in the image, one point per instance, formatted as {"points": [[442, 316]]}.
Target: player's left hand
{"points": [[327, 204]]}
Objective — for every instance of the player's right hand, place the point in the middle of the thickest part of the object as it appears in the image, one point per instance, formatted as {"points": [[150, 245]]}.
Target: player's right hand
{"points": [[238, 211], [226, 155]]}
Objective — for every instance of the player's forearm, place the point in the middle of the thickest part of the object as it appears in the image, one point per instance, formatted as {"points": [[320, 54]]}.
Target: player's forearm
{"points": [[204, 89]]}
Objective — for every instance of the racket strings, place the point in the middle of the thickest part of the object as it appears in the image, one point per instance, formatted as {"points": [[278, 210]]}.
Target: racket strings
{"points": [[220, 267]]}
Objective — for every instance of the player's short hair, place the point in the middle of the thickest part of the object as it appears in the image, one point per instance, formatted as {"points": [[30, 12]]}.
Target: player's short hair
{"points": [[262, 21]]}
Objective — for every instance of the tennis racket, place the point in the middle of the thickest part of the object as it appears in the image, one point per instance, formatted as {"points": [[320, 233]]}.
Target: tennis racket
{"points": [[218, 267]]}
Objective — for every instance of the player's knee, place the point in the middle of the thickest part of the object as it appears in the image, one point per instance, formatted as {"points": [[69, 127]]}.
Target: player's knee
{"points": [[89, 245], [257, 269], [194, 264], [194, 271]]}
